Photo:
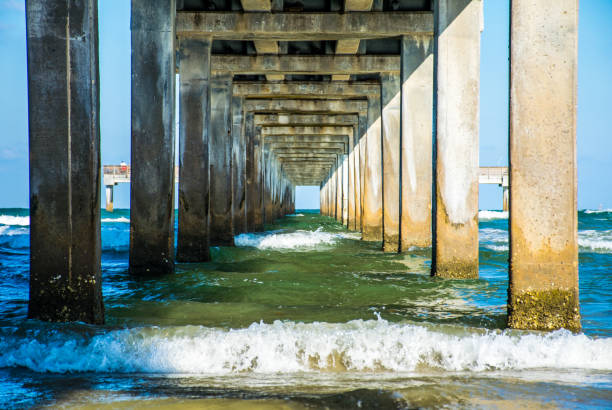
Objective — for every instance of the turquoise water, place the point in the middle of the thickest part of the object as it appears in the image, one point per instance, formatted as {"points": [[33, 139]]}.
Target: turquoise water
{"points": [[305, 315]]}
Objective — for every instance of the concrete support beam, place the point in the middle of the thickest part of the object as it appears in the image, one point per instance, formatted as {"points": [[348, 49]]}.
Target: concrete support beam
{"points": [[350, 46], [306, 106], [391, 148], [416, 152], [152, 179], [306, 90], [543, 292], [372, 195], [303, 26], [457, 70], [351, 185], [304, 119], [306, 64], [306, 130], [238, 167], [64, 143], [220, 151], [194, 115], [263, 46]]}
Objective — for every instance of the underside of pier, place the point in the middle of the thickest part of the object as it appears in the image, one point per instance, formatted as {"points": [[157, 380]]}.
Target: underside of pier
{"points": [[374, 101]]}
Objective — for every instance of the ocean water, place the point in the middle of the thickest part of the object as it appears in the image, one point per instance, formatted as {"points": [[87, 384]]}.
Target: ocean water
{"points": [[305, 315]]}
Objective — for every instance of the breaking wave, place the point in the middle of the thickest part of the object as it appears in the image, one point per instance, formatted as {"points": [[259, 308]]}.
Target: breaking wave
{"points": [[120, 219], [488, 215], [356, 346], [287, 240], [14, 220], [595, 241]]}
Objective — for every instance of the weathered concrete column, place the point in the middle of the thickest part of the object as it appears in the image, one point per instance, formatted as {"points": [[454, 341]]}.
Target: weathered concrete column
{"points": [[391, 146], [64, 142], [345, 190], [372, 184], [543, 292], [357, 179], [152, 179], [194, 115], [363, 135], [457, 70], [258, 186], [251, 178], [339, 188], [109, 197], [238, 167], [220, 152], [416, 154], [505, 198], [351, 184]]}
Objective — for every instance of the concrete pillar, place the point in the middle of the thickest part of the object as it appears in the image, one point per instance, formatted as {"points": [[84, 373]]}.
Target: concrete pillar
{"points": [[543, 292], [258, 172], [345, 190], [457, 70], [505, 198], [64, 143], [372, 184], [220, 154], [351, 184], [238, 167], [391, 146], [252, 191], [109, 198], [363, 135], [194, 115], [339, 189], [416, 153], [357, 178], [152, 179]]}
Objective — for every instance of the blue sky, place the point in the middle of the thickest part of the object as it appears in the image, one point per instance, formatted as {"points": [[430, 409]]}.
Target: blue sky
{"points": [[594, 101]]}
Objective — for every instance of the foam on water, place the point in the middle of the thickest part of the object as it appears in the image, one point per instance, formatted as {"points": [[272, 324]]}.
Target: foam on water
{"points": [[14, 220], [356, 346], [488, 215], [597, 211], [115, 220], [287, 240], [595, 241]]}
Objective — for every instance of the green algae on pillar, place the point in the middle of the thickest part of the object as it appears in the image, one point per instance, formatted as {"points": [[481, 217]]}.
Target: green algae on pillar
{"points": [[194, 71], [64, 144], [543, 291], [220, 154], [152, 178], [456, 96]]}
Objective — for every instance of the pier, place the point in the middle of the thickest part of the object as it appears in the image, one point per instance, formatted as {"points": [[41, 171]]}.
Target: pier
{"points": [[376, 102]]}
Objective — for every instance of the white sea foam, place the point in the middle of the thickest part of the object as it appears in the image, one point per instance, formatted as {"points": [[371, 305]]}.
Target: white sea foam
{"points": [[120, 219], [14, 220], [288, 240], [597, 211], [356, 346], [494, 239], [7, 230], [595, 241], [488, 215]]}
